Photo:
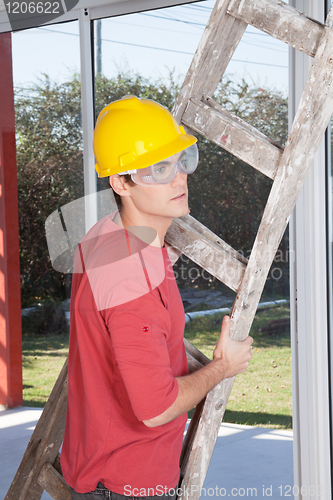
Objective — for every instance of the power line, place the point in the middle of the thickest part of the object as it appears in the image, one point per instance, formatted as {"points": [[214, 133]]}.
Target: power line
{"points": [[197, 6], [122, 43], [115, 20], [171, 19], [190, 53], [145, 26], [162, 49], [148, 47], [58, 31], [265, 46]]}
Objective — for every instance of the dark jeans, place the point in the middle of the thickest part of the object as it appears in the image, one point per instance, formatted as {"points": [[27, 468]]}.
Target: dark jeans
{"points": [[102, 493]]}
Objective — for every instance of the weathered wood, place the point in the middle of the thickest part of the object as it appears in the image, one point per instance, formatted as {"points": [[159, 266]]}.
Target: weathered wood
{"points": [[233, 134], [189, 437], [52, 482], [56, 464], [43, 445], [195, 353], [202, 360], [281, 21], [216, 47], [193, 364], [207, 250], [195, 358], [311, 120], [310, 123], [276, 325]]}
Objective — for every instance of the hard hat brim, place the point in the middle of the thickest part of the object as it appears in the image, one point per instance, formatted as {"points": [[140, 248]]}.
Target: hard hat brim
{"points": [[182, 142]]}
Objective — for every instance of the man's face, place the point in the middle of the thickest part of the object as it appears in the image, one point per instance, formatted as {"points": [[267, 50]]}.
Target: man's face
{"points": [[165, 200]]}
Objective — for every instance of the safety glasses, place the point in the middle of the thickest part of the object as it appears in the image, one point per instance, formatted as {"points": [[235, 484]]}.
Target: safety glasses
{"points": [[166, 170]]}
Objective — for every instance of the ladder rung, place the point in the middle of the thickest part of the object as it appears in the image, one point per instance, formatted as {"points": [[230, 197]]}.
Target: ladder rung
{"points": [[193, 364], [53, 483], [281, 21], [208, 234], [207, 250], [195, 358], [233, 134], [198, 355], [56, 464]]}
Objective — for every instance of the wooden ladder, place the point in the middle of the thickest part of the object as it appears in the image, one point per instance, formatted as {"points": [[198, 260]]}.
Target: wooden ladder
{"points": [[195, 109]]}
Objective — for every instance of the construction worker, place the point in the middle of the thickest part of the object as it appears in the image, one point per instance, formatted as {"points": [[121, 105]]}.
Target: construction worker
{"points": [[129, 391]]}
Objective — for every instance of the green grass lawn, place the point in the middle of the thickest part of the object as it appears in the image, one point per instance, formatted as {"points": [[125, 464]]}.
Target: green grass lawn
{"points": [[43, 358], [260, 396]]}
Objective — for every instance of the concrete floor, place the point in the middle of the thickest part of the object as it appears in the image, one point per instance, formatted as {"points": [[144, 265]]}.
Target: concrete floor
{"points": [[247, 461]]}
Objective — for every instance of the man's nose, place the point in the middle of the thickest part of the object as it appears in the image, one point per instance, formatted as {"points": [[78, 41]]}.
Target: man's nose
{"points": [[180, 178]]}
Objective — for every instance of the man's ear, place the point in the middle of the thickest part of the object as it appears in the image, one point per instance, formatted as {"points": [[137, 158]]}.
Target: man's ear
{"points": [[118, 184]]}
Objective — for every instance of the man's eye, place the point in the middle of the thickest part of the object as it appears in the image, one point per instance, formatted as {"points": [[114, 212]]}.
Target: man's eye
{"points": [[160, 170]]}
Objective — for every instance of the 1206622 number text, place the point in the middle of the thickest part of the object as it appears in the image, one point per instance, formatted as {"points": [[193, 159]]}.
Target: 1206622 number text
{"points": [[313, 491], [33, 7]]}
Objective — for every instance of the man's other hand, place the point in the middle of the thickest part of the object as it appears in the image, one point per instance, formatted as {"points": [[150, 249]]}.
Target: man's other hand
{"points": [[234, 355]]}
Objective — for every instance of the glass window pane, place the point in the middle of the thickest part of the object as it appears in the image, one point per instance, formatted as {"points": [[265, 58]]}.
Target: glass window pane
{"points": [[147, 54], [49, 148]]}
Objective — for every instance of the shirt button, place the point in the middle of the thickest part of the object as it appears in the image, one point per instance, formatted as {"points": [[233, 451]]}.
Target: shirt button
{"points": [[145, 328]]}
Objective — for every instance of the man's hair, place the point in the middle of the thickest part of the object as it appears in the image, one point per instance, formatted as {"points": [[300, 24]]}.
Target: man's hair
{"points": [[128, 179]]}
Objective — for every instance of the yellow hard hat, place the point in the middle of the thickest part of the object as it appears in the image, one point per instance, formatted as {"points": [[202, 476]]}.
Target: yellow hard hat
{"points": [[134, 133]]}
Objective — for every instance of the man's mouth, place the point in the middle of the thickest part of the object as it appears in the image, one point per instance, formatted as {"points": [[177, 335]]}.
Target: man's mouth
{"points": [[179, 196]]}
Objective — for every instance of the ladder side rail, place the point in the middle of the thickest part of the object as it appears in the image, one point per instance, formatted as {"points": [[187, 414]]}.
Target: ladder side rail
{"points": [[189, 438], [229, 132], [44, 443], [216, 47], [281, 21], [311, 120]]}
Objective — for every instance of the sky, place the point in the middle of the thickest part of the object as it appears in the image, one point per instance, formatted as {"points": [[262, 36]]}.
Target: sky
{"points": [[152, 43]]}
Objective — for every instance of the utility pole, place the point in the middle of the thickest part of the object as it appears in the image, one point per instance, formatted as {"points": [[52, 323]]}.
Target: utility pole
{"points": [[99, 47]]}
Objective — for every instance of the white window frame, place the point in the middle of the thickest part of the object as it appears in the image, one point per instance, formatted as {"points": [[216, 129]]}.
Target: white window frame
{"points": [[309, 305]]}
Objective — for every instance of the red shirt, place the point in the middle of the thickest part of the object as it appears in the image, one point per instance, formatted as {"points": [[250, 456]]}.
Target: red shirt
{"points": [[126, 348]]}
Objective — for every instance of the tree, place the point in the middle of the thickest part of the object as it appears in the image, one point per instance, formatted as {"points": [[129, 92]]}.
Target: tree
{"points": [[49, 162]]}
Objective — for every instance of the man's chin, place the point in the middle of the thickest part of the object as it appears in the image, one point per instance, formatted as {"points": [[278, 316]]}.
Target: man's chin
{"points": [[177, 211], [181, 211]]}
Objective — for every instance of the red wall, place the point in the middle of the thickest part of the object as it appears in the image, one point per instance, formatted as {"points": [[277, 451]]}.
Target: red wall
{"points": [[10, 297]]}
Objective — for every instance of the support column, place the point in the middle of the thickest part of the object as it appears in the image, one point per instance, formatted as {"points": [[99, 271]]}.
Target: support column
{"points": [[309, 307], [10, 295]]}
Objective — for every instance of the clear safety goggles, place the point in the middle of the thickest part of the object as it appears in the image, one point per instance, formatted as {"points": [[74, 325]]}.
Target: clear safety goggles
{"points": [[166, 170]]}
